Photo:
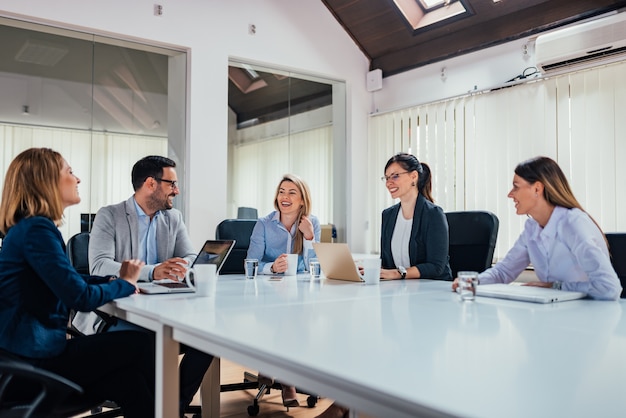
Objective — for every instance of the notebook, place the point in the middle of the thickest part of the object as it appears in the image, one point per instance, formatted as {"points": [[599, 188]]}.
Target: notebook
{"points": [[212, 252], [336, 261], [526, 293]]}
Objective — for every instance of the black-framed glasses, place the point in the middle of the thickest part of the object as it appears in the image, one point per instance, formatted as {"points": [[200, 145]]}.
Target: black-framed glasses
{"points": [[173, 183], [392, 177]]}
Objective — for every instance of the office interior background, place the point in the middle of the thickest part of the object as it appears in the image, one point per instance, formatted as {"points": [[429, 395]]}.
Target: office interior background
{"points": [[470, 131]]}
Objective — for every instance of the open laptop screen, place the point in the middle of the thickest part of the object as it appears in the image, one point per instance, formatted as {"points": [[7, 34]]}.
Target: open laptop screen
{"points": [[214, 252]]}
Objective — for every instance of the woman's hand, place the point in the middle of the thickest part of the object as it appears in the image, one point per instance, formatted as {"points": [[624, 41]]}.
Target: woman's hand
{"points": [[455, 284], [538, 284], [130, 270], [306, 226], [280, 264], [390, 274]]}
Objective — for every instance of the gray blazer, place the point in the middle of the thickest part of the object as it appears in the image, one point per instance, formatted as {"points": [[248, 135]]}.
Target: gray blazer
{"points": [[114, 239]]}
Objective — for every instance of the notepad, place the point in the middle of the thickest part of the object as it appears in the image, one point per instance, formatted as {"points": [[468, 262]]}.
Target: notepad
{"points": [[527, 293]]}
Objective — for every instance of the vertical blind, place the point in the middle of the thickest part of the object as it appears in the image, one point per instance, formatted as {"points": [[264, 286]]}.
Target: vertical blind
{"points": [[473, 144], [102, 161], [259, 166]]}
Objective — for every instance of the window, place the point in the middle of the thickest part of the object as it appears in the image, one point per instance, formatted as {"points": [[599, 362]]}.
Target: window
{"points": [[282, 122], [103, 103], [422, 13]]}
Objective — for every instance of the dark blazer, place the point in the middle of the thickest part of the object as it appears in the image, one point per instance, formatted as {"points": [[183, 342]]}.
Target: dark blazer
{"points": [[38, 286], [428, 246]]}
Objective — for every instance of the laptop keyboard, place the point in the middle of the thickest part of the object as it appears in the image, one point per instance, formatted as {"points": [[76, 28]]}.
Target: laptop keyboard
{"points": [[173, 285]]}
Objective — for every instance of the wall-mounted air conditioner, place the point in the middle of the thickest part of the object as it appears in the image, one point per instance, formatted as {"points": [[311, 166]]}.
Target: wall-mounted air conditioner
{"points": [[588, 44]]}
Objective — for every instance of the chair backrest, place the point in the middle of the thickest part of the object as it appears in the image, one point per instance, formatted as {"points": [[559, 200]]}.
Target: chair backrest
{"points": [[28, 391], [240, 230], [473, 237], [617, 246], [247, 213], [78, 252]]}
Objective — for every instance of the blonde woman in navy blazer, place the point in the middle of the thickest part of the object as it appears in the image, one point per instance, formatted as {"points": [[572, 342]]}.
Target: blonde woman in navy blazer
{"points": [[38, 287]]}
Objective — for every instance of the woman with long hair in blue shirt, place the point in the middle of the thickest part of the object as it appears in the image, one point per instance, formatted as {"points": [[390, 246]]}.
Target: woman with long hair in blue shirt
{"points": [[563, 243]]}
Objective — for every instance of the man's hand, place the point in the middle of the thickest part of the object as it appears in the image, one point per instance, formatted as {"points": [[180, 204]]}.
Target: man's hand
{"points": [[173, 269]]}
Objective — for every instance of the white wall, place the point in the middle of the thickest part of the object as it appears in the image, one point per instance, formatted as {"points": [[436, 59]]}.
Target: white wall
{"points": [[476, 71], [298, 35]]}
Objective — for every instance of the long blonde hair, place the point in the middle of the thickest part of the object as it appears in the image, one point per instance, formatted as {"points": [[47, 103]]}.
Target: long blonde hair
{"points": [[298, 242], [31, 188]]}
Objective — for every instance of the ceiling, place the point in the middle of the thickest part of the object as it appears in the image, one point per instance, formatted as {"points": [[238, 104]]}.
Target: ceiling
{"points": [[385, 37], [377, 27], [392, 45], [272, 96]]}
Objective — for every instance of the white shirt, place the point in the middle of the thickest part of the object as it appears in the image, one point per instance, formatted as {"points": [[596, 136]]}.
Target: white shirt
{"points": [[570, 249], [400, 241]]}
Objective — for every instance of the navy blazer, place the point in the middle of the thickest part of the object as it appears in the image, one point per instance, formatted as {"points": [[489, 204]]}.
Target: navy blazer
{"points": [[428, 246], [38, 287]]}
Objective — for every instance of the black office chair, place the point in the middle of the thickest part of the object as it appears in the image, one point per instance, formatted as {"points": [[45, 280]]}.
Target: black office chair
{"points": [[30, 392], [240, 230], [247, 213], [78, 252], [473, 237], [617, 247]]}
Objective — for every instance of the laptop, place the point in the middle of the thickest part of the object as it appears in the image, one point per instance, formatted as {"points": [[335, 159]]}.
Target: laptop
{"points": [[212, 252], [526, 293], [336, 261]]}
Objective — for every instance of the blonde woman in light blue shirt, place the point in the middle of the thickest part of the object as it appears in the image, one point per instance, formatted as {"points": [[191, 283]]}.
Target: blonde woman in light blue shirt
{"points": [[564, 244]]}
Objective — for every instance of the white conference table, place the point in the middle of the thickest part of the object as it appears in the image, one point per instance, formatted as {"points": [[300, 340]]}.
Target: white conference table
{"points": [[398, 349]]}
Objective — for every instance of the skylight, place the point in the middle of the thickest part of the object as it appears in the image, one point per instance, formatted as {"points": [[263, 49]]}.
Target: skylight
{"points": [[422, 13]]}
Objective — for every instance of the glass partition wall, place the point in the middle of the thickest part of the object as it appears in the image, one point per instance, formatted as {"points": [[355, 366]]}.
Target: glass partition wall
{"points": [[285, 122], [103, 103]]}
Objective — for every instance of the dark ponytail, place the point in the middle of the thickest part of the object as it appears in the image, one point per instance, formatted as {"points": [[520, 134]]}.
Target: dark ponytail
{"points": [[410, 163]]}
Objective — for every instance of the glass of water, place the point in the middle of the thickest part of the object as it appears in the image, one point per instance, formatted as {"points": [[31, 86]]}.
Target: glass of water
{"points": [[314, 268], [468, 280], [250, 266]]}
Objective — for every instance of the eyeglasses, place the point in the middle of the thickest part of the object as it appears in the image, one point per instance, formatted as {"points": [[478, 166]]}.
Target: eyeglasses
{"points": [[173, 183], [392, 177]]}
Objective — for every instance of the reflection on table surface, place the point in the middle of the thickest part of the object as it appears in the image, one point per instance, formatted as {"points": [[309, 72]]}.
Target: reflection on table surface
{"points": [[412, 343]]}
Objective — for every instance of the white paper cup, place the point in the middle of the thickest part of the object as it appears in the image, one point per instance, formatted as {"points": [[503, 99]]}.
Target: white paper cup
{"points": [[292, 265], [371, 270], [202, 278]]}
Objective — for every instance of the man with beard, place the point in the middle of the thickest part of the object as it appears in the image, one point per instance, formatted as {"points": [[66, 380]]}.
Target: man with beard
{"points": [[146, 227]]}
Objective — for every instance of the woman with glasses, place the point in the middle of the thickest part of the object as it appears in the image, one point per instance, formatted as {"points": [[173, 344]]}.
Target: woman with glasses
{"points": [[414, 237], [563, 243]]}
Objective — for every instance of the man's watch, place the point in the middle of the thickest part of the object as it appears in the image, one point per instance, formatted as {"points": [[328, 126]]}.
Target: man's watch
{"points": [[557, 285], [402, 272]]}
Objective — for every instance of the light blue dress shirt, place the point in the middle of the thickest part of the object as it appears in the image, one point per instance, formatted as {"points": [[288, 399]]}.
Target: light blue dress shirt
{"points": [[570, 249], [270, 239], [147, 237]]}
